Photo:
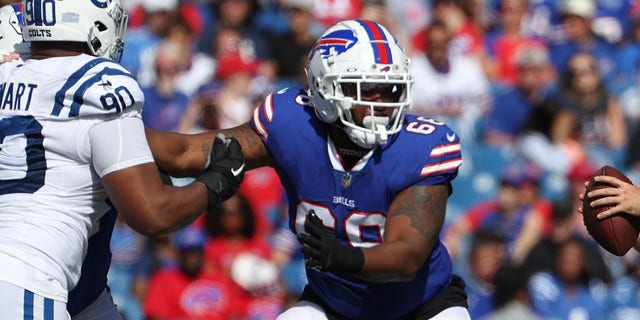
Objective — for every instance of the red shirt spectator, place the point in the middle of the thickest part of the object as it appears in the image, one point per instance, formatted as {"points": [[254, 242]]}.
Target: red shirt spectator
{"points": [[264, 192], [174, 295], [329, 12], [190, 291]]}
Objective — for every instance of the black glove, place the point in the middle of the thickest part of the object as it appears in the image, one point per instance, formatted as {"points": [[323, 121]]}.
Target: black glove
{"points": [[323, 252], [224, 171]]}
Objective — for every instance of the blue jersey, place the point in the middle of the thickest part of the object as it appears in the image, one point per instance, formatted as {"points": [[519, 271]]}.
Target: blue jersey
{"points": [[623, 300], [510, 113], [550, 300], [353, 203], [601, 50]]}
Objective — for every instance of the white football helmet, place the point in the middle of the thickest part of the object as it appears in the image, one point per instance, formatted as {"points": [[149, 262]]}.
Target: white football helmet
{"points": [[353, 57], [99, 23], [11, 30]]}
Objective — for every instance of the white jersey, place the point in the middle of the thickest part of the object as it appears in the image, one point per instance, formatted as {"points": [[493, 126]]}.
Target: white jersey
{"points": [[53, 152], [463, 90]]}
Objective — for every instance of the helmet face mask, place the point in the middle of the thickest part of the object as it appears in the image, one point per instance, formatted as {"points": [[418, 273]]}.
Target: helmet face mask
{"points": [[101, 24], [358, 63]]}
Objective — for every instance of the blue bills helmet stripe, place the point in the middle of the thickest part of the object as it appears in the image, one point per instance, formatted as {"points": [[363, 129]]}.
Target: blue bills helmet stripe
{"points": [[379, 42]]}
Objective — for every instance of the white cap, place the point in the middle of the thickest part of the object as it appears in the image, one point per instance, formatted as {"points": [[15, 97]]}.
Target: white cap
{"points": [[300, 4], [253, 273], [532, 54], [581, 8], [159, 5]]}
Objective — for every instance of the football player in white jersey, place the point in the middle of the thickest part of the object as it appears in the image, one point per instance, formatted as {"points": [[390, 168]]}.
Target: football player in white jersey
{"points": [[73, 151]]}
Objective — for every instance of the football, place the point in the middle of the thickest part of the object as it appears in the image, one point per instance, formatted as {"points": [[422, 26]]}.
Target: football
{"points": [[617, 233]]}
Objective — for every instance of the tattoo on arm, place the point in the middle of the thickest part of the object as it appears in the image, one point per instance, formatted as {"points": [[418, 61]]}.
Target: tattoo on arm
{"points": [[255, 152], [206, 149], [425, 207]]}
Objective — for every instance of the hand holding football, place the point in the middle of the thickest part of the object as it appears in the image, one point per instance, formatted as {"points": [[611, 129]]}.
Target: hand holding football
{"points": [[617, 233]]}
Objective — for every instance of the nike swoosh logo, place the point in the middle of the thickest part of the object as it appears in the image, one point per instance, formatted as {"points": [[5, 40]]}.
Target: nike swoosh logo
{"points": [[451, 137], [236, 172]]}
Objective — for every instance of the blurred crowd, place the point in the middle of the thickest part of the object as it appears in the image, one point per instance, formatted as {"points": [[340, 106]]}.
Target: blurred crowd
{"points": [[541, 92]]}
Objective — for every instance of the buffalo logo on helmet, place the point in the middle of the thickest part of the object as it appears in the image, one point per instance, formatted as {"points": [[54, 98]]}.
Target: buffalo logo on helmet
{"points": [[338, 41]]}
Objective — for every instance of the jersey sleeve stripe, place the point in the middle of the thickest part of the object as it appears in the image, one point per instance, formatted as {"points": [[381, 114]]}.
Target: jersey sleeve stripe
{"points": [[73, 79], [441, 166], [258, 125], [445, 150], [268, 108], [78, 99]]}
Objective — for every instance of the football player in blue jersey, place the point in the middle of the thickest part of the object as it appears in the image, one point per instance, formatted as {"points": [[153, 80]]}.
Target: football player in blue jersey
{"points": [[367, 184], [73, 152]]}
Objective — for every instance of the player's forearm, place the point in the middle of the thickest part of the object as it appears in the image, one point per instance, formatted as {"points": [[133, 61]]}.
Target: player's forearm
{"points": [[149, 206], [168, 209], [393, 262], [412, 230], [178, 208], [180, 155]]}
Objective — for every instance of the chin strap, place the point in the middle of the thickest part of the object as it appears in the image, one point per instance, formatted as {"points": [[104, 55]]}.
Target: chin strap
{"points": [[383, 133]]}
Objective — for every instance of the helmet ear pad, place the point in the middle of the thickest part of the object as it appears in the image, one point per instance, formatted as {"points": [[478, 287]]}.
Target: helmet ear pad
{"points": [[325, 110], [95, 44]]}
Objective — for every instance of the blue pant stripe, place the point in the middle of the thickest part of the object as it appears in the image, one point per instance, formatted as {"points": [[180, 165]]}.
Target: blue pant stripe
{"points": [[28, 305], [48, 309]]}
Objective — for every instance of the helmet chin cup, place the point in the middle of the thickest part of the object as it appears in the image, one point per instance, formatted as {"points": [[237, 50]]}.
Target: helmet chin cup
{"points": [[372, 137], [361, 138], [375, 122]]}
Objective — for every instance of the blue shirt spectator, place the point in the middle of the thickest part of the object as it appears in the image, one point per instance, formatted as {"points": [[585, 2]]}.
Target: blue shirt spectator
{"points": [[163, 112], [566, 291], [510, 112], [577, 18], [623, 300]]}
